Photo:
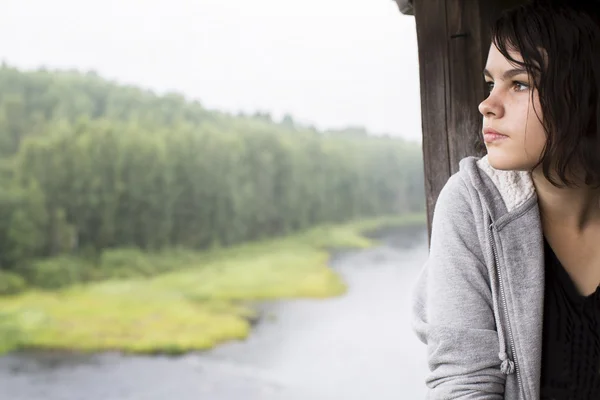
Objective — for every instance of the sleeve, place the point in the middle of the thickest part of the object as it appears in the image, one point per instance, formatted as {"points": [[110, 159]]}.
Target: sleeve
{"points": [[452, 307]]}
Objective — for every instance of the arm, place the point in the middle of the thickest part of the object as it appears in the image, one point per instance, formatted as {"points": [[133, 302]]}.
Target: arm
{"points": [[453, 308]]}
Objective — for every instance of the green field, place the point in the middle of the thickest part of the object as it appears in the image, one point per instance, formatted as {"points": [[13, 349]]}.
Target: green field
{"points": [[208, 299]]}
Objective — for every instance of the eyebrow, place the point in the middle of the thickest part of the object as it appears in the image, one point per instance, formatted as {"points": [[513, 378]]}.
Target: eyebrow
{"points": [[507, 74]]}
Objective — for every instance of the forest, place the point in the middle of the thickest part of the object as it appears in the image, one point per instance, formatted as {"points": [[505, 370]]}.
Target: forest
{"points": [[95, 173]]}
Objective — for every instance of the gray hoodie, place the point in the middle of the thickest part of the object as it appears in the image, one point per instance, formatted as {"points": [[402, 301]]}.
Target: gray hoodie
{"points": [[478, 302]]}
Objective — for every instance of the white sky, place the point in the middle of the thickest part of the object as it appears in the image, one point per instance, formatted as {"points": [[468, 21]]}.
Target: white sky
{"points": [[332, 63]]}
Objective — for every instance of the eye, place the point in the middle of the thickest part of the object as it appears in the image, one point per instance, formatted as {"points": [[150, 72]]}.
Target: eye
{"points": [[489, 86], [520, 86]]}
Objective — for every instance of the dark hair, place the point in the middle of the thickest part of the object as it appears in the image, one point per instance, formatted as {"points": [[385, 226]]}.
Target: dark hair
{"points": [[559, 42]]}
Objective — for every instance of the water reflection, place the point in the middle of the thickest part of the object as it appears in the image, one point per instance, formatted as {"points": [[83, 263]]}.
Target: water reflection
{"points": [[352, 347]]}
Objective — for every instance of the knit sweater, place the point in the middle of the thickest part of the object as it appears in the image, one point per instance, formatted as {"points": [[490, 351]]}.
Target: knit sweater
{"points": [[571, 337]]}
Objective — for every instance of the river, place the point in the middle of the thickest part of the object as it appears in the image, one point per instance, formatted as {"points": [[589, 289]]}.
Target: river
{"points": [[352, 347]]}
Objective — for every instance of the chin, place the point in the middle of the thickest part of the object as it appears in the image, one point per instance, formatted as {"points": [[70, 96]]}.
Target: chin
{"points": [[504, 161]]}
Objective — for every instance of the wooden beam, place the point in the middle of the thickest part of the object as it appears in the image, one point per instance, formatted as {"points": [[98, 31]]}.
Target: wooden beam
{"points": [[453, 39], [468, 46], [430, 18]]}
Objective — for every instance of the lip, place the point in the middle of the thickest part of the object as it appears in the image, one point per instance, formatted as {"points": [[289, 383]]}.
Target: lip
{"points": [[490, 135]]}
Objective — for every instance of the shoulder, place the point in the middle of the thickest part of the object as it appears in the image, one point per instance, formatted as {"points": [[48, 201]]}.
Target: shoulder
{"points": [[455, 199], [458, 222]]}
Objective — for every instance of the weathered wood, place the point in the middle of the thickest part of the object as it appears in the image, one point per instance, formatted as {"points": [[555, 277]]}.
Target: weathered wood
{"points": [[453, 39], [468, 46], [430, 18]]}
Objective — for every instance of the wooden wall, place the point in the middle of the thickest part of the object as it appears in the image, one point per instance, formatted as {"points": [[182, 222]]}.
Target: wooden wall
{"points": [[453, 43]]}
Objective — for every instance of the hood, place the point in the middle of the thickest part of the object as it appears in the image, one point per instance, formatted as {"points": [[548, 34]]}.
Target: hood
{"points": [[504, 191]]}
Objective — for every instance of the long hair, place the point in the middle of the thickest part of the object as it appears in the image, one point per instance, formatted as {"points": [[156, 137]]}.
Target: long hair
{"points": [[559, 42]]}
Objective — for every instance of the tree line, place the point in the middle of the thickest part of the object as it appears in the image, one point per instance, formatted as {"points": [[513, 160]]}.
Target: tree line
{"points": [[88, 165]]}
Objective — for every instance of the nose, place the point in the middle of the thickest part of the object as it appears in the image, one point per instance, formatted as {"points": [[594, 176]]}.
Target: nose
{"points": [[491, 106]]}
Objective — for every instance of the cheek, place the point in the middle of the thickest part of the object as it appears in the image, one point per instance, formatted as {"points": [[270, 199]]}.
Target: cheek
{"points": [[534, 142], [527, 142], [535, 137]]}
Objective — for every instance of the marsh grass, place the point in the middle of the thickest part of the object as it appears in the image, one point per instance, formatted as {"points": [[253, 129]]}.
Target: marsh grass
{"points": [[208, 298]]}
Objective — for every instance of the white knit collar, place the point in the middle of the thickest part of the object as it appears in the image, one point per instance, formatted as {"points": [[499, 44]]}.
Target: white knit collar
{"points": [[515, 187]]}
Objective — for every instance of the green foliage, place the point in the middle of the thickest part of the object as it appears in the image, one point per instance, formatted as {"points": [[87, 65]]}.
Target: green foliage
{"points": [[60, 271], [91, 167], [131, 262], [11, 334], [23, 218], [11, 283], [206, 300]]}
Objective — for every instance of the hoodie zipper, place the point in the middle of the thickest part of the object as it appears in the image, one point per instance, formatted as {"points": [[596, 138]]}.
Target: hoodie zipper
{"points": [[503, 296]]}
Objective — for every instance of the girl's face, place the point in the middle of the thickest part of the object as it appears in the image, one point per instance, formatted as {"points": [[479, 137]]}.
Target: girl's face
{"points": [[509, 110]]}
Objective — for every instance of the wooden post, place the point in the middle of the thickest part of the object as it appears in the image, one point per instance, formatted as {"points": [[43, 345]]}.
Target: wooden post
{"points": [[453, 39]]}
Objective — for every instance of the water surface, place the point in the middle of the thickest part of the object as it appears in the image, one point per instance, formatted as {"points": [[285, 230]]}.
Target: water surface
{"points": [[356, 346]]}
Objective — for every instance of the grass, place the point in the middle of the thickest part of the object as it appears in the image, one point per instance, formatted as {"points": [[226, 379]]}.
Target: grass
{"points": [[208, 300]]}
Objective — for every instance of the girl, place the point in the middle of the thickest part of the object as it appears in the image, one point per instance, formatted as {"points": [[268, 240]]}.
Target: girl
{"points": [[508, 301]]}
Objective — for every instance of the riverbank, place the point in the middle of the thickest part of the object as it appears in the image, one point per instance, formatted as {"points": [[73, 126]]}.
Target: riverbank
{"points": [[207, 302]]}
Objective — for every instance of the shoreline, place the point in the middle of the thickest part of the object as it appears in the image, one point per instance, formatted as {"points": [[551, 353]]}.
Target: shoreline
{"points": [[221, 308]]}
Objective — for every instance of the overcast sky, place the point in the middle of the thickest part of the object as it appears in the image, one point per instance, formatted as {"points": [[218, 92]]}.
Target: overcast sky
{"points": [[332, 63]]}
